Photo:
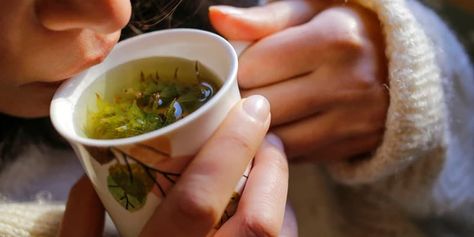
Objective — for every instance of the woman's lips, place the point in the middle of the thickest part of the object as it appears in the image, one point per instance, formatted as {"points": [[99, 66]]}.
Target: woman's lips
{"points": [[47, 85]]}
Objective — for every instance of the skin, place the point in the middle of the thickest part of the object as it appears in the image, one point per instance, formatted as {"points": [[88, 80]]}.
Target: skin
{"points": [[45, 42], [325, 76], [323, 69], [331, 56], [344, 78], [188, 211]]}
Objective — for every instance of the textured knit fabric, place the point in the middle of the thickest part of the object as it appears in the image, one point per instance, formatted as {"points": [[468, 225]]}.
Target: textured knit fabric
{"points": [[419, 181], [33, 190], [29, 219], [416, 120]]}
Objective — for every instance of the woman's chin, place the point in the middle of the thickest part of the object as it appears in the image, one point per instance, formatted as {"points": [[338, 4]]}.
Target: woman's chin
{"points": [[31, 113], [31, 100]]}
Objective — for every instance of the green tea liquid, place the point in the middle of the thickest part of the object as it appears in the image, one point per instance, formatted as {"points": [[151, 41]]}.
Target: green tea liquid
{"points": [[149, 94]]}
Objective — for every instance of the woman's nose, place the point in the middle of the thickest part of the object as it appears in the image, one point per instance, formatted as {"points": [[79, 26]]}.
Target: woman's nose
{"points": [[103, 16]]}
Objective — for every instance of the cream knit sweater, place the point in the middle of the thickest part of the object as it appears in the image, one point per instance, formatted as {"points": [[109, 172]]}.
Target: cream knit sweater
{"points": [[420, 182]]}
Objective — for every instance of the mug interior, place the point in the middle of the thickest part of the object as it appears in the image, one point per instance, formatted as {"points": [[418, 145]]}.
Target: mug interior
{"points": [[75, 97]]}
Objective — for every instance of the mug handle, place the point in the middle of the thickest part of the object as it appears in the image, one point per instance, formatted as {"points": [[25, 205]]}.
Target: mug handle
{"points": [[240, 46]]}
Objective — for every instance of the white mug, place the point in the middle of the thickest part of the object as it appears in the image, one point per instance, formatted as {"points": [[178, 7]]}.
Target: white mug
{"points": [[153, 160]]}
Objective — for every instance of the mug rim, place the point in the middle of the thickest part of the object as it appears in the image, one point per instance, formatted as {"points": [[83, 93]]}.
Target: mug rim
{"points": [[228, 81]]}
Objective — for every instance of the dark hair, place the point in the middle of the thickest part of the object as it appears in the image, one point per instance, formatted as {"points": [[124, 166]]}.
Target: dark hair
{"points": [[151, 15]]}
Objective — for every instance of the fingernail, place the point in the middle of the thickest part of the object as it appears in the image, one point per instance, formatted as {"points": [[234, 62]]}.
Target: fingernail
{"points": [[275, 141], [257, 107], [227, 10]]}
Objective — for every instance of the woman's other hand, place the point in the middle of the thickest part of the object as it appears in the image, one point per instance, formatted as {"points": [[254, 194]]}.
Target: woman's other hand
{"points": [[195, 204], [321, 66]]}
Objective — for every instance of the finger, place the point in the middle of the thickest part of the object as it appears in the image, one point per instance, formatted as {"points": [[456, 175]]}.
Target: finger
{"points": [[298, 98], [319, 131], [333, 37], [84, 214], [262, 205], [347, 148], [196, 203], [318, 92], [257, 22]]}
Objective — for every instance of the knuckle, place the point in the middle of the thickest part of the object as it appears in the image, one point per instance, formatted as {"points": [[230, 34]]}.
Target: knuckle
{"points": [[197, 205], [362, 74], [261, 226], [348, 41], [364, 81], [238, 141], [346, 30]]}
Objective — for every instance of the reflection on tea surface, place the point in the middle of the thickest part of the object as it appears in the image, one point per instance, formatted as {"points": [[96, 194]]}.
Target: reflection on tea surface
{"points": [[158, 92]]}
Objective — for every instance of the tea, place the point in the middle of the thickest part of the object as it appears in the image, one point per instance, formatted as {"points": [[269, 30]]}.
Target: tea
{"points": [[149, 94]]}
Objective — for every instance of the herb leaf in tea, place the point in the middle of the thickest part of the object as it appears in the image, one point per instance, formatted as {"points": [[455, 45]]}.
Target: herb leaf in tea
{"points": [[152, 103]]}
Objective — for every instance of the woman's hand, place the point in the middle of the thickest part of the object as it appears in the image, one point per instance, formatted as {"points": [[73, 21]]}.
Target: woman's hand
{"points": [[321, 66], [195, 204]]}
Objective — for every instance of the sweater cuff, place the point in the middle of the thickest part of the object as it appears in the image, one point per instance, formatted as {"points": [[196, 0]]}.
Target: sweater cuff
{"points": [[30, 219], [416, 115]]}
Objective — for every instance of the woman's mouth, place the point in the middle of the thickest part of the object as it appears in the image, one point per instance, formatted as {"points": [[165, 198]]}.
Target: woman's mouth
{"points": [[47, 85]]}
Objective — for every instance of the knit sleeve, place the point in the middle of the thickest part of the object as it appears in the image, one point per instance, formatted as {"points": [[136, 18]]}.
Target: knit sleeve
{"points": [[30, 219], [430, 79]]}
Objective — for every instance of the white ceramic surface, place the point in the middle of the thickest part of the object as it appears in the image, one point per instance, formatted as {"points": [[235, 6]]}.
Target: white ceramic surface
{"points": [[183, 138]]}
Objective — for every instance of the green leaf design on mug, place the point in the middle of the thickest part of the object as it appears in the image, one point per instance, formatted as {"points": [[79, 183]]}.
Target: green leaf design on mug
{"points": [[129, 185]]}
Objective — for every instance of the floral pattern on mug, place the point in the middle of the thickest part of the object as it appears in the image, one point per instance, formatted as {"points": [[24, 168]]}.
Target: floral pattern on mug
{"points": [[136, 170]]}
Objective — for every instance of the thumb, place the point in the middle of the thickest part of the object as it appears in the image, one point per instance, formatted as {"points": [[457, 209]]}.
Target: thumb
{"points": [[257, 22]]}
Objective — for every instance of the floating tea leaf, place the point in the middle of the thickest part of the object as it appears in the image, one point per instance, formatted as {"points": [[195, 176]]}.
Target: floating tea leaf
{"points": [[155, 99]]}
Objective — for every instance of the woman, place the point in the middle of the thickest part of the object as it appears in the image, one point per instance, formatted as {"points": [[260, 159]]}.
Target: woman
{"points": [[47, 42], [381, 93]]}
